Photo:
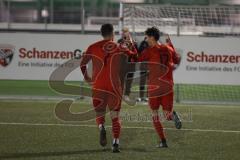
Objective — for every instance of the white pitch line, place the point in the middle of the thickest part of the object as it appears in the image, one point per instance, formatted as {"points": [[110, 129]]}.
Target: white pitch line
{"points": [[126, 127]]}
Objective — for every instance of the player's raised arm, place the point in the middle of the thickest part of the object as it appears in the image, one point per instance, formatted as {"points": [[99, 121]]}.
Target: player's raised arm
{"points": [[169, 42], [125, 49], [175, 56], [127, 45]]}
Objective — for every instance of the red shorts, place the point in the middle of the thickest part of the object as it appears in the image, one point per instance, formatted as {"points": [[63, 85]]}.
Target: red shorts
{"points": [[165, 101], [106, 96]]}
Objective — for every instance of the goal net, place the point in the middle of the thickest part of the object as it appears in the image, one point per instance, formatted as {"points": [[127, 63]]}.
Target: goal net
{"points": [[184, 20], [219, 21]]}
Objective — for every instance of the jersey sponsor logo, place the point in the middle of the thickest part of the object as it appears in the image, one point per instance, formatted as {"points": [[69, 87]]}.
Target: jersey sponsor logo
{"points": [[6, 54]]}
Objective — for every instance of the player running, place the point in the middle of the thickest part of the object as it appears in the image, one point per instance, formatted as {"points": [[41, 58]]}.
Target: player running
{"points": [[163, 55], [105, 92]]}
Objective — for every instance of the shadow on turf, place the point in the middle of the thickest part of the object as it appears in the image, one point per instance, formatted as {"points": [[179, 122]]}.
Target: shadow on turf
{"points": [[65, 153], [48, 154], [134, 149]]}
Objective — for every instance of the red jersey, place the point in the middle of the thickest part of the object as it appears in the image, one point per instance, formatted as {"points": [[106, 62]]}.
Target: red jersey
{"points": [[160, 54], [101, 54]]}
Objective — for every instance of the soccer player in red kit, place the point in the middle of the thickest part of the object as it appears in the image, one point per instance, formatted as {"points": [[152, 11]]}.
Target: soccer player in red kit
{"points": [[163, 55], [104, 93]]}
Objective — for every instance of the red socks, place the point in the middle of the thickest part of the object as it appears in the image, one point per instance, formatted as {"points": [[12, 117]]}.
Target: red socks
{"points": [[100, 120], [158, 127], [116, 127]]}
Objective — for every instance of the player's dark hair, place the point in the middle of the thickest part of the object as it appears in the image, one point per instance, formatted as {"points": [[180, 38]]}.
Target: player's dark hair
{"points": [[107, 30], [154, 32]]}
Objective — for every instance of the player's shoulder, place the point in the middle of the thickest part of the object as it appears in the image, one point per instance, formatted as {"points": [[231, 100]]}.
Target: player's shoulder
{"points": [[92, 46], [95, 44], [98, 44], [165, 47], [105, 42], [162, 46]]}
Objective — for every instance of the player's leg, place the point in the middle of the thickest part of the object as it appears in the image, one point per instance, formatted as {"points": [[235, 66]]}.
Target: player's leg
{"points": [[177, 120], [128, 85], [116, 129], [169, 113], [100, 109], [143, 79], [154, 104], [114, 105]]}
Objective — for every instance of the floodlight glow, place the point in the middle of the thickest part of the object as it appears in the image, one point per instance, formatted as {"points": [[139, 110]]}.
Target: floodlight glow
{"points": [[44, 13]]}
